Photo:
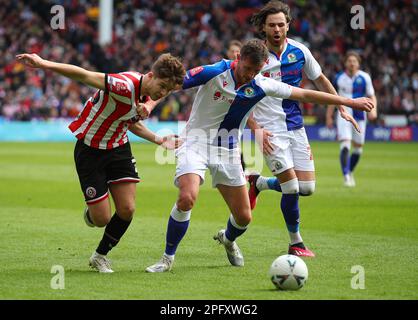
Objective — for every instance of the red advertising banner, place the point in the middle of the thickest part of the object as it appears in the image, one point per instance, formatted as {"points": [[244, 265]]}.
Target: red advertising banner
{"points": [[401, 134]]}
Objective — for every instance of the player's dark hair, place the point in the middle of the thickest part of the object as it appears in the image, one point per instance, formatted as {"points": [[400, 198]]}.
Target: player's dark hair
{"points": [[259, 19], [254, 50], [169, 67], [352, 54]]}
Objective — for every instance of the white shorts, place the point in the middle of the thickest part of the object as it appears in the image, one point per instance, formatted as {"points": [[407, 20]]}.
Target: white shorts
{"points": [[346, 131], [291, 150], [224, 164]]}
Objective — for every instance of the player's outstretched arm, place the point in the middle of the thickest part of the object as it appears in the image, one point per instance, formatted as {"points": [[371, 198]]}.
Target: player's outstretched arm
{"points": [[324, 85], [305, 95], [169, 142], [90, 78]]}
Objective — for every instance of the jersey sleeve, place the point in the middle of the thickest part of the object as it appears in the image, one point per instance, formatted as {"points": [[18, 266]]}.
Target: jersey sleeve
{"points": [[311, 67], [121, 88], [274, 88], [200, 75], [369, 86]]}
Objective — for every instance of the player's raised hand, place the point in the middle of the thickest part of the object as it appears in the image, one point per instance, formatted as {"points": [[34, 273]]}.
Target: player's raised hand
{"points": [[347, 117], [363, 104], [171, 142], [31, 60]]}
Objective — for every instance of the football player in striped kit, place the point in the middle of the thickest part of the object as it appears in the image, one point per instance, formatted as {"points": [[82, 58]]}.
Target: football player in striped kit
{"points": [[102, 154]]}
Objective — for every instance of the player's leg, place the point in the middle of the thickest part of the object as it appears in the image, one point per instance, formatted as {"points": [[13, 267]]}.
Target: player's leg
{"points": [[122, 176], [123, 195], [344, 135], [178, 221], [304, 169], [358, 142], [239, 206], [92, 176], [277, 162], [190, 174]]}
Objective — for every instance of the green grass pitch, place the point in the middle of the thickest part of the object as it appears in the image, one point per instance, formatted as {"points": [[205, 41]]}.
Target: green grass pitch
{"points": [[374, 225]]}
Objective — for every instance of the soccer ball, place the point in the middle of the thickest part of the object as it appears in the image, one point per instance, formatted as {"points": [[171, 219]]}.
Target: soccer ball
{"points": [[288, 272]]}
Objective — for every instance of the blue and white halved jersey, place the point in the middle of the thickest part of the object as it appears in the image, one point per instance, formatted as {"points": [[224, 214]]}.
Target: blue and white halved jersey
{"points": [[360, 85], [220, 110], [275, 114]]}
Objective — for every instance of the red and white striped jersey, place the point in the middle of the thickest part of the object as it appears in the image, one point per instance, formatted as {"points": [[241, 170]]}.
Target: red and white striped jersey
{"points": [[104, 120]]}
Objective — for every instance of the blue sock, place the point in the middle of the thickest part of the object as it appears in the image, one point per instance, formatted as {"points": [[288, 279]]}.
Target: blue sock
{"points": [[233, 230], [175, 232], [354, 160], [345, 160], [274, 184], [290, 209]]}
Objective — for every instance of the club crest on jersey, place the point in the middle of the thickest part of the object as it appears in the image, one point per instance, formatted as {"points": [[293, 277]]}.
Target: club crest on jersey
{"points": [[291, 57], [224, 84], [91, 192], [249, 92], [196, 70]]}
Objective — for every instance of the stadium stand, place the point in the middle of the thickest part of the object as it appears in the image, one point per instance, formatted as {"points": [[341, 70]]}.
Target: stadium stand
{"points": [[197, 31]]}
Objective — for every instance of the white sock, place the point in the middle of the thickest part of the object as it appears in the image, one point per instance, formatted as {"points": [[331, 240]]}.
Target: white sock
{"points": [[262, 184], [171, 257], [295, 237]]}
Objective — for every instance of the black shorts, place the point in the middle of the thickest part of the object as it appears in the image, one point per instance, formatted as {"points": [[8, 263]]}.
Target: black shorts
{"points": [[98, 168]]}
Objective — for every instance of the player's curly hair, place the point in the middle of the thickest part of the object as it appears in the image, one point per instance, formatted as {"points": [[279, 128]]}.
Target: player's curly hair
{"points": [[254, 50], [169, 67], [259, 19]]}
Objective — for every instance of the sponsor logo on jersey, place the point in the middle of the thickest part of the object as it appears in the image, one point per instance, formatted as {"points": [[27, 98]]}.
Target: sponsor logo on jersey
{"points": [[291, 57], [249, 92], [196, 70], [266, 74], [217, 95]]}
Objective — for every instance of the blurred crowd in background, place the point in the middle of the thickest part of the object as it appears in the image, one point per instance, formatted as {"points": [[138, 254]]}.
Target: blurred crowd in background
{"points": [[198, 32]]}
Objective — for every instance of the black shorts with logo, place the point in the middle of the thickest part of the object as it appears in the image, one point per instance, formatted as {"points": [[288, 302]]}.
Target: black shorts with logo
{"points": [[98, 168]]}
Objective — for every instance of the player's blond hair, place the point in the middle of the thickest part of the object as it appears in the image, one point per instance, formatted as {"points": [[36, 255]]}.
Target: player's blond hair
{"points": [[170, 68]]}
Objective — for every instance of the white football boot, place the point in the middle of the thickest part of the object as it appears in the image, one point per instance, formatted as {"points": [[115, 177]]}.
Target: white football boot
{"points": [[100, 263], [233, 252], [347, 180], [164, 265]]}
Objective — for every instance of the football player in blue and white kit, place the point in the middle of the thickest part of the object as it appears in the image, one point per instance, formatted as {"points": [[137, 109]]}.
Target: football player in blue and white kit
{"points": [[352, 83], [228, 92], [285, 144]]}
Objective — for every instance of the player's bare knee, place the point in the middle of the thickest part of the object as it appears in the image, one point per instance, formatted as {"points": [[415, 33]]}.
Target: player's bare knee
{"points": [[244, 218], [101, 221], [290, 187], [126, 211], [186, 201], [306, 188]]}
